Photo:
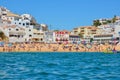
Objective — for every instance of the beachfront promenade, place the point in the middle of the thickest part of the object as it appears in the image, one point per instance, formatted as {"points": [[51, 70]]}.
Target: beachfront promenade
{"points": [[41, 47]]}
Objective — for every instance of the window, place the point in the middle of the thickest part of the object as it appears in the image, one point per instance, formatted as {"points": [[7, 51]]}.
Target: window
{"points": [[27, 23], [30, 35], [4, 14], [18, 36], [23, 24], [19, 23], [41, 39], [17, 29]]}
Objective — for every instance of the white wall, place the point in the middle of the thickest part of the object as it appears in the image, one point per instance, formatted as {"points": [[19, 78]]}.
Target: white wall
{"points": [[28, 31], [117, 30]]}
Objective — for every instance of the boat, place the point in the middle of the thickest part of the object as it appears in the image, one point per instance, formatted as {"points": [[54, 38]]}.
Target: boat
{"points": [[111, 51], [108, 52]]}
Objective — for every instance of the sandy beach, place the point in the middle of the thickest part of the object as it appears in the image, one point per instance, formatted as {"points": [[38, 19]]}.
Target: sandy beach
{"points": [[42, 47]]}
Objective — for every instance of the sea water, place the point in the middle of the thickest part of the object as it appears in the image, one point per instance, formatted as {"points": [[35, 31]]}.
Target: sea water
{"points": [[59, 66]]}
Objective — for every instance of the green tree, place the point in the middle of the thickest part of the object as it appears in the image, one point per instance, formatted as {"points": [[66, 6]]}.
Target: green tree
{"points": [[105, 23], [114, 19], [91, 39], [109, 21], [96, 23], [2, 36]]}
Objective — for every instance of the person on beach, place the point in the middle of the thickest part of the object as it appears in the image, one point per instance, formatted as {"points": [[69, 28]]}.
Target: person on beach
{"points": [[49, 46], [70, 48], [37, 48], [114, 50], [41, 47], [76, 47]]}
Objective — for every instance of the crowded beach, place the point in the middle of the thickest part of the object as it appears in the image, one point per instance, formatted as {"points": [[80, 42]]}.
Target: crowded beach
{"points": [[22, 33], [43, 47]]}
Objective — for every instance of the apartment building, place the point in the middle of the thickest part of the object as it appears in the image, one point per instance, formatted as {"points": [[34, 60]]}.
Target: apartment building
{"points": [[61, 36], [38, 36], [14, 33], [49, 37], [87, 32], [74, 38]]}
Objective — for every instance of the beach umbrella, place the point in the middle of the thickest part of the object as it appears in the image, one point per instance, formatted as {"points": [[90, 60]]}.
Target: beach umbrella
{"points": [[78, 42], [9, 44], [88, 46], [73, 42], [56, 39], [66, 42], [2, 43], [84, 42]]}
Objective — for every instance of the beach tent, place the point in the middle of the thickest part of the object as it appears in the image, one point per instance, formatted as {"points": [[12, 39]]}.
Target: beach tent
{"points": [[2, 44], [78, 42], [9, 44]]}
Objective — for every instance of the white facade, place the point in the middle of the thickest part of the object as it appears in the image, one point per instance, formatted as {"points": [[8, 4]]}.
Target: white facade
{"points": [[38, 36], [14, 33], [3, 10], [117, 29], [105, 29], [105, 33], [23, 20], [26, 17], [49, 37], [102, 38], [74, 39], [44, 27], [25, 24], [61, 36], [18, 34], [108, 32], [28, 34]]}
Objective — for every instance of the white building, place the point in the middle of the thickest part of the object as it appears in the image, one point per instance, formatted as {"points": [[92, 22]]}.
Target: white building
{"points": [[24, 20], [108, 33], [38, 36], [28, 34], [74, 39], [105, 29], [44, 27], [117, 31], [20, 34], [49, 37], [62, 36], [14, 33], [103, 38], [22, 27]]}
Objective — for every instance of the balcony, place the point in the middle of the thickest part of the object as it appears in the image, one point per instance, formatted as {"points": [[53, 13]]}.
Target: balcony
{"points": [[75, 28], [82, 31], [82, 28], [93, 32]]}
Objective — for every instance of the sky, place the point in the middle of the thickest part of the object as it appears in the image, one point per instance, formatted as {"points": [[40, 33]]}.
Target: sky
{"points": [[64, 14]]}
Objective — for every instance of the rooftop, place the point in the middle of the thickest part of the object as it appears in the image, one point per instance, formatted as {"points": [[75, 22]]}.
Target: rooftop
{"points": [[10, 14]]}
